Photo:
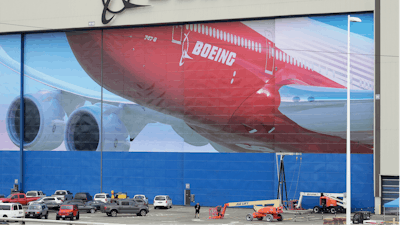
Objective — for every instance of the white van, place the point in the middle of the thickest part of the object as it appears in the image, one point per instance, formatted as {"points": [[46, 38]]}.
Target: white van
{"points": [[11, 210]]}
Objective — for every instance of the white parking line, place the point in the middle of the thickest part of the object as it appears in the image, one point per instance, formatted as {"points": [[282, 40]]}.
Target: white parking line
{"points": [[161, 214], [100, 223]]}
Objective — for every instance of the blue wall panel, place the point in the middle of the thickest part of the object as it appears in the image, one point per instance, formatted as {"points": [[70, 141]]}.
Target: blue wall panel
{"points": [[55, 170], [327, 173], [214, 178], [9, 169], [144, 173], [219, 178]]}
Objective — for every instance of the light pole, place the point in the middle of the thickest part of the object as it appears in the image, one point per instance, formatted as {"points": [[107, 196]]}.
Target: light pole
{"points": [[348, 150]]}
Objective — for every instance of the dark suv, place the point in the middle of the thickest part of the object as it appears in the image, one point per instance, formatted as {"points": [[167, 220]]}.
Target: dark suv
{"points": [[84, 196], [82, 206]]}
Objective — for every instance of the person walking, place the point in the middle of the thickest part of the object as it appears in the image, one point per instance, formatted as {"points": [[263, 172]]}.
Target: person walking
{"points": [[197, 210]]}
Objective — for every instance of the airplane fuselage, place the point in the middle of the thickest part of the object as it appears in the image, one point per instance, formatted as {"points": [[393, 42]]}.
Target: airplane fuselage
{"points": [[222, 79]]}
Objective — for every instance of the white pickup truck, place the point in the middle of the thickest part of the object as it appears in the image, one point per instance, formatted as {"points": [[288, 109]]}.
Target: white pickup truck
{"points": [[64, 194], [35, 194]]}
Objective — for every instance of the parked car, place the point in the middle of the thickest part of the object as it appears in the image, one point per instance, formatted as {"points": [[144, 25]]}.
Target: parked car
{"points": [[11, 210], [141, 202], [2, 196], [50, 202], [82, 206], [162, 201], [125, 206], [18, 198], [64, 194], [84, 196], [35, 194], [68, 211], [39, 201], [53, 202], [142, 197], [95, 204], [37, 211], [104, 197]]}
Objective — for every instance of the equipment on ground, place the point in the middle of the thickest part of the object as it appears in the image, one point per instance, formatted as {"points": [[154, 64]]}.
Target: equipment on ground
{"points": [[292, 205], [328, 202], [359, 217], [269, 209]]}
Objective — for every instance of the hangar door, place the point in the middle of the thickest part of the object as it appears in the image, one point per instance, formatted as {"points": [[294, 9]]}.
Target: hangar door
{"points": [[390, 188]]}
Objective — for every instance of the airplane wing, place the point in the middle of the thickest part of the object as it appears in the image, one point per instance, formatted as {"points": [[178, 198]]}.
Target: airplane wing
{"points": [[328, 107], [89, 95]]}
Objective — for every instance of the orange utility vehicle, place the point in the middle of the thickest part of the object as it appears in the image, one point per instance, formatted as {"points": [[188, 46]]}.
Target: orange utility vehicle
{"points": [[328, 202], [68, 211], [269, 209]]}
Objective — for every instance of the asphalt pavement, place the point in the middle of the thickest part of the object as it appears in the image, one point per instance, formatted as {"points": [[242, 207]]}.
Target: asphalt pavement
{"points": [[185, 215]]}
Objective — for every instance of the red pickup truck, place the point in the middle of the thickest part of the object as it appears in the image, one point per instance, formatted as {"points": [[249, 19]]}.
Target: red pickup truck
{"points": [[18, 197]]}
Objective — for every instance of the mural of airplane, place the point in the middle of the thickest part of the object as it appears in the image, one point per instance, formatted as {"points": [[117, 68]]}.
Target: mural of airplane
{"points": [[227, 84]]}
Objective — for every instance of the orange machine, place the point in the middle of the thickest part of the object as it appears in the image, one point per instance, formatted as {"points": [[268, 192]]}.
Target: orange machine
{"points": [[269, 209], [325, 200], [328, 202]]}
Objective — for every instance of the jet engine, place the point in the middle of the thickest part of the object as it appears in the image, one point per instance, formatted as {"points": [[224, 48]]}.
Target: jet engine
{"points": [[83, 129], [43, 121]]}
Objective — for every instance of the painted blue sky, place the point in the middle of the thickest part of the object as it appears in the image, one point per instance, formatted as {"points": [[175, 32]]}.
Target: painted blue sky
{"points": [[365, 28]]}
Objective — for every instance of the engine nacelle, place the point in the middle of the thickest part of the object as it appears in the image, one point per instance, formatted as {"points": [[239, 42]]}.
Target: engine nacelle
{"points": [[44, 121], [82, 132]]}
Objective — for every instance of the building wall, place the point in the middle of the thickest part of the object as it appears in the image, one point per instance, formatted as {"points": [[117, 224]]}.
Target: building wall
{"points": [[49, 15], [389, 87], [214, 178], [9, 169]]}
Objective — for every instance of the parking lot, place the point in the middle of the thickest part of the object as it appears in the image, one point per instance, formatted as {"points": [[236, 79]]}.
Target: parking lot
{"points": [[185, 215]]}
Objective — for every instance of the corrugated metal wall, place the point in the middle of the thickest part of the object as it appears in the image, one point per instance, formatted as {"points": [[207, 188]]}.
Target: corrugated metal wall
{"points": [[215, 178]]}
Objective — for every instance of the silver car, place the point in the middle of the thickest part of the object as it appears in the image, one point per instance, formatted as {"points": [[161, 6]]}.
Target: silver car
{"points": [[51, 202], [142, 197], [37, 211]]}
